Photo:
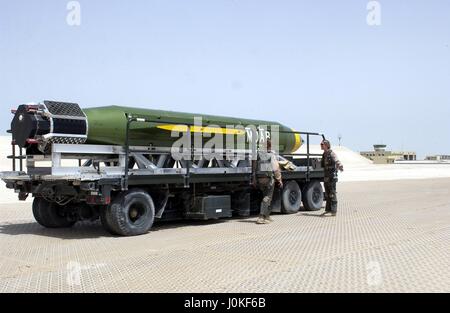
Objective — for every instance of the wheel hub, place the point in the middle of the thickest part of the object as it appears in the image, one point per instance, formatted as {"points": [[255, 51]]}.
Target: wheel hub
{"points": [[134, 213], [316, 196], [293, 197]]}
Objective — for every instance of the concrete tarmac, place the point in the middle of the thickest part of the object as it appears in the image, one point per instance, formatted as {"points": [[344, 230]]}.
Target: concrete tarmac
{"points": [[389, 236]]}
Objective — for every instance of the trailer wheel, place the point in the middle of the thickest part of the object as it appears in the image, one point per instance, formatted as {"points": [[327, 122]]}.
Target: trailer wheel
{"points": [[313, 196], [130, 214], [104, 220], [291, 198], [50, 215]]}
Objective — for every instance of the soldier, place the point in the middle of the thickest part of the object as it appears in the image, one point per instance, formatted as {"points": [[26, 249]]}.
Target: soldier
{"points": [[266, 164], [331, 165]]}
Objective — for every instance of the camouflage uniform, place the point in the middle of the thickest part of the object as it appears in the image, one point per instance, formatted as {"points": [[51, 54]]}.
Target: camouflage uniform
{"points": [[331, 164], [269, 168]]}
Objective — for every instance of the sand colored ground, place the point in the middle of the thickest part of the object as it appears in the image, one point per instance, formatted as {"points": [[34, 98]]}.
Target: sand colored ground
{"points": [[389, 236]]}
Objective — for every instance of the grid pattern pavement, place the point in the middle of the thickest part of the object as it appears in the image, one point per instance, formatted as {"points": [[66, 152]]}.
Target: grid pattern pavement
{"points": [[391, 236]]}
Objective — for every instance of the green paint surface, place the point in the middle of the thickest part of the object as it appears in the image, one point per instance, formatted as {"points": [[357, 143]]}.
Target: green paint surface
{"points": [[107, 125]]}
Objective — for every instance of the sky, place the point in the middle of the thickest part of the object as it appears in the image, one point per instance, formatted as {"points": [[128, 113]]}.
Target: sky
{"points": [[314, 66]]}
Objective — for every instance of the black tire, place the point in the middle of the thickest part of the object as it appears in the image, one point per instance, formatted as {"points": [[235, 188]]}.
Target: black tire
{"points": [[313, 196], [131, 213], [49, 214], [291, 198], [104, 220]]}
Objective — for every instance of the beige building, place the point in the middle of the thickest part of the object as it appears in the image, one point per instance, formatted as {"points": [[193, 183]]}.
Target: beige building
{"points": [[379, 155], [442, 157]]}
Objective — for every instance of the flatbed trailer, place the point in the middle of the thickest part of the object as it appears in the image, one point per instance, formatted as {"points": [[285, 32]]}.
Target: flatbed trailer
{"points": [[128, 187]]}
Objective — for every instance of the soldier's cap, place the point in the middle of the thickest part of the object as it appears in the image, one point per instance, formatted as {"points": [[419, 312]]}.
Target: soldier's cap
{"points": [[326, 143]]}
